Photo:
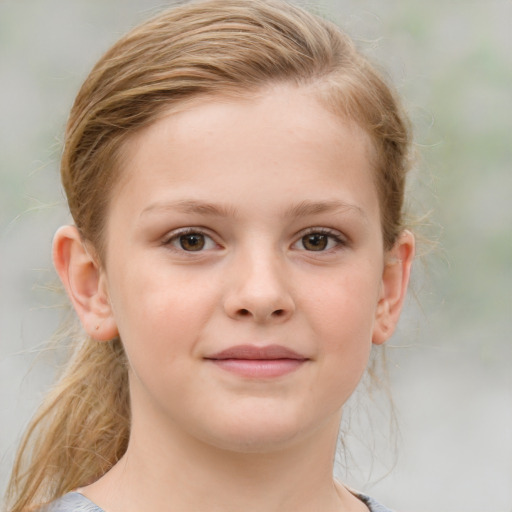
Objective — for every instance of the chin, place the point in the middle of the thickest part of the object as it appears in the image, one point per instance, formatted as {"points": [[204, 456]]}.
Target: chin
{"points": [[261, 442], [263, 434]]}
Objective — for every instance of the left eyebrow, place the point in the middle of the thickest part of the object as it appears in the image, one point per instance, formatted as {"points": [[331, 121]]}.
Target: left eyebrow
{"points": [[305, 208]]}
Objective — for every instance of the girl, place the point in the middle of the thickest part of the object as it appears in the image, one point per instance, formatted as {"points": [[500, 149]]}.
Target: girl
{"points": [[235, 171]]}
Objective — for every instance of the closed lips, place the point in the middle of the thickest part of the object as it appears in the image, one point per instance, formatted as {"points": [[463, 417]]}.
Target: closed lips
{"points": [[251, 352], [257, 363]]}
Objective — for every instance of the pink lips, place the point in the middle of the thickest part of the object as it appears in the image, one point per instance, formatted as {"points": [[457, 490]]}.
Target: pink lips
{"points": [[258, 362]]}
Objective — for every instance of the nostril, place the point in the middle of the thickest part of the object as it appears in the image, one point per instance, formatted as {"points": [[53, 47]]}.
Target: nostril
{"points": [[259, 315]]}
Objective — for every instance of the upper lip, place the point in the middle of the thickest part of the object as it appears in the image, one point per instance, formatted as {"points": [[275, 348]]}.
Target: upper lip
{"points": [[255, 352]]}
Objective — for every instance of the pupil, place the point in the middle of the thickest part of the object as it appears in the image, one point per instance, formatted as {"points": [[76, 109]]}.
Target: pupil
{"points": [[315, 242], [192, 242]]}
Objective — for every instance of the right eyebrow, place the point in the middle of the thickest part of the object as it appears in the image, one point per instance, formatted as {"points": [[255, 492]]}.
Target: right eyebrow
{"points": [[191, 206]]}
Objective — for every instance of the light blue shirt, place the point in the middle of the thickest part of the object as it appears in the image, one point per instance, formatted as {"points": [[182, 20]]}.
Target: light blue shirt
{"points": [[76, 502]]}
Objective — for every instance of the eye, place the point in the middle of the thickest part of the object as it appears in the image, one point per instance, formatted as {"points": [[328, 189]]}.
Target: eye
{"points": [[315, 242], [319, 240], [190, 241]]}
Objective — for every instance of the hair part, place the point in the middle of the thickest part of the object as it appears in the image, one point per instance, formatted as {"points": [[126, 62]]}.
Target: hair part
{"points": [[194, 50]]}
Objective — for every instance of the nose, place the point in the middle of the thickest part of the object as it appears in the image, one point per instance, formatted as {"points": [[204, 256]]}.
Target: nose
{"points": [[259, 290]]}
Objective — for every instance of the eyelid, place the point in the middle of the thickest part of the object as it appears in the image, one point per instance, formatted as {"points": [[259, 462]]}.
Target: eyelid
{"points": [[340, 239], [170, 237]]}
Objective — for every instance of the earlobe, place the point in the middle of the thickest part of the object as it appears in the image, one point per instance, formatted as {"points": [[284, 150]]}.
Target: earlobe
{"points": [[85, 283], [395, 279]]}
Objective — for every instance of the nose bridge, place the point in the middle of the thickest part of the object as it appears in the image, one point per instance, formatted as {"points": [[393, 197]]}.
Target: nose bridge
{"points": [[259, 287]]}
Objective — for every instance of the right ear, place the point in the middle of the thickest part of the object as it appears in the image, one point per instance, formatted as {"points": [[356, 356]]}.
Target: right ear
{"points": [[85, 283]]}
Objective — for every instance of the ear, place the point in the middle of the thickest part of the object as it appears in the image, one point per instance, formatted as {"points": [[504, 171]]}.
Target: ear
{"points": [[395, 278], [85, 283]]}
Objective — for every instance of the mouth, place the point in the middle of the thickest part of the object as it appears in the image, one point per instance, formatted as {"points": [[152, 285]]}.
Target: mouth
{"points": [[258, 362]]}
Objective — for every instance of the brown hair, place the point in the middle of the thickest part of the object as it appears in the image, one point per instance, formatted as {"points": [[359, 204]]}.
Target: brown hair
{"points": [[195, 49]]}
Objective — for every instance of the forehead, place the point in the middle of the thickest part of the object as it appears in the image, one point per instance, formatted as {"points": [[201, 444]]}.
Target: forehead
{"points": [[281, 136], [302, 104]]}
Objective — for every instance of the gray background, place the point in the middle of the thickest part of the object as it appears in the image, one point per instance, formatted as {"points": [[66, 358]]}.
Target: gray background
{"points": [[450, 361]]}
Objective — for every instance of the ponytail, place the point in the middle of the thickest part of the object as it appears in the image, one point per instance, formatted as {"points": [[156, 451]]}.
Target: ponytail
{"points": [[80, 431]]}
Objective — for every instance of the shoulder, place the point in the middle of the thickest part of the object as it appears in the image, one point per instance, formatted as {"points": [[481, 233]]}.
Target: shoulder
{"points": [[71, 502], [373, 505]]}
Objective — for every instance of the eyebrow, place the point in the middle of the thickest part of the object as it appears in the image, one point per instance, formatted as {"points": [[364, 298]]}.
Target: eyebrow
{"points": [[192, 206], [302, 209], [305, 208]]}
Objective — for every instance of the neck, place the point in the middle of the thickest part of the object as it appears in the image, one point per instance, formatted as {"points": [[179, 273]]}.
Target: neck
{"points": [[167, 471]]}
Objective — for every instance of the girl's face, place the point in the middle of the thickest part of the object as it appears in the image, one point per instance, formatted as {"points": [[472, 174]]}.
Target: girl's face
{"points": [[245, 269]]}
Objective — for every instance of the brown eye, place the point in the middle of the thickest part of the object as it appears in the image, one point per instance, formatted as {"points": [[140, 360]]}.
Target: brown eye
{"points": [[192, 242], [315, 242]]}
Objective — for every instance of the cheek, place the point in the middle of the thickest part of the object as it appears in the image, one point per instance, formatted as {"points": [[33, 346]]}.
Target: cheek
{"points": [[342, 314], [158, 331], [161, 312], [345, 303]]}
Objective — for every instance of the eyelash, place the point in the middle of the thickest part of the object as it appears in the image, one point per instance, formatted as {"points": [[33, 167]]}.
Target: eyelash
{"points": [[176, 235], [331, 235]]}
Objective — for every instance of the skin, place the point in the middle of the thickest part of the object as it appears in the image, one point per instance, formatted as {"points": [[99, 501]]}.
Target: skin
{"points": [[251, 179]]}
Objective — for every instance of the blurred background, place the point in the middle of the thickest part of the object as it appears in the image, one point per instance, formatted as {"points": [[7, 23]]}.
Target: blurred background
{"points": [[450, 363]]}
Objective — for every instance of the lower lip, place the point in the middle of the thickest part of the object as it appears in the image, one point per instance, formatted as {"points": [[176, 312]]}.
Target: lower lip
{"points": [[259, 368]]}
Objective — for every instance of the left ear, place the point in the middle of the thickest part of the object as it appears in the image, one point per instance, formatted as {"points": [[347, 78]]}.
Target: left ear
{"points": [[395, 278]]}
